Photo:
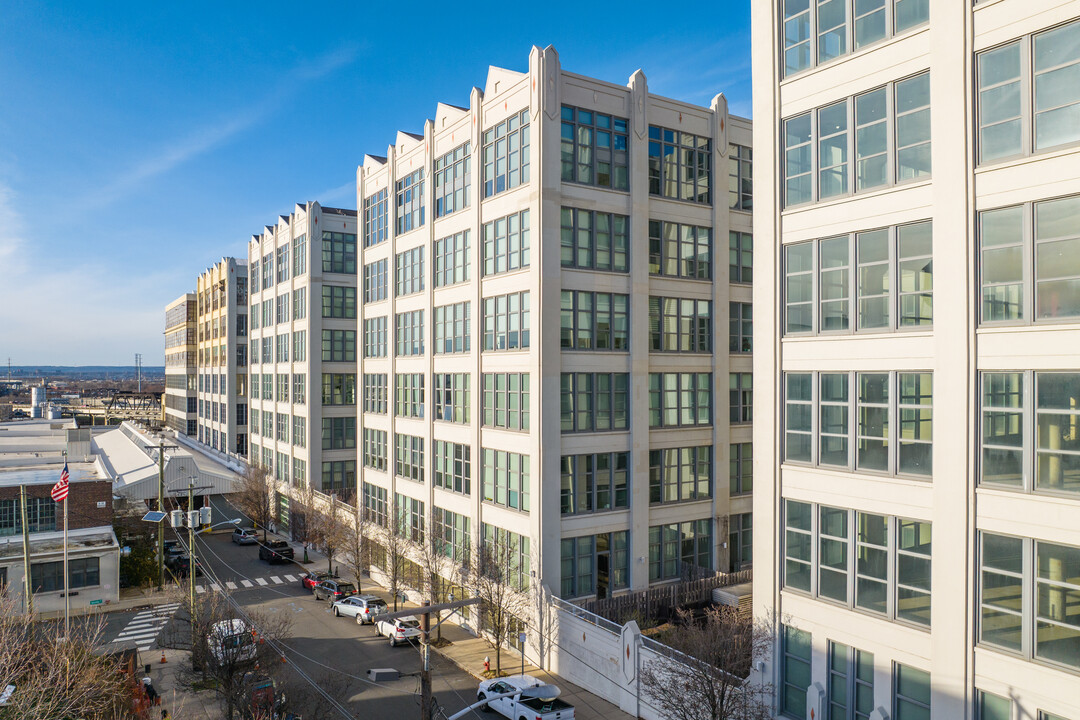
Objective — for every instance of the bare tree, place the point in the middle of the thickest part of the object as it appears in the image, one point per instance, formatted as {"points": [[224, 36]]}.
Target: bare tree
{"points": [[705, 675], [356, 542], [256, 495], [233, 649], [499, 577], [329, 530], [396, 546], [435, 565], [54, 677]]}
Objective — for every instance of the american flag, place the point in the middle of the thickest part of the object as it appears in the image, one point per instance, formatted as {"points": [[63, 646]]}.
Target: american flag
{"points": [[60, 489]]}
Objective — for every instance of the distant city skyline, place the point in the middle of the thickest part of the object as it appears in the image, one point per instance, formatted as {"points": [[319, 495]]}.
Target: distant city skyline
{"points": [[145, 143]]}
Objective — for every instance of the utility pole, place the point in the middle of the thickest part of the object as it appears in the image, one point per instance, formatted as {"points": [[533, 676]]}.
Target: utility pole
{"points": [[161, 506], [192, 558], [425, 673], [28, 603]]}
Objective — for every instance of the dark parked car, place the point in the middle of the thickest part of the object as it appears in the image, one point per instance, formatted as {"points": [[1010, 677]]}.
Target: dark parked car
{"points": [[333, 590], [180, 565], [311, 578], [245, 536], [276, 551]]}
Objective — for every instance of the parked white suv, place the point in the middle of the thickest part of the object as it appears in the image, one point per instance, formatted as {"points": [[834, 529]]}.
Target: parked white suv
{"points": [[399, 629]]}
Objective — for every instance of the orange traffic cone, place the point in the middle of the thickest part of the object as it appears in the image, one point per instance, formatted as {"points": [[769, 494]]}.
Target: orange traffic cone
{"points": [[163, 660]]}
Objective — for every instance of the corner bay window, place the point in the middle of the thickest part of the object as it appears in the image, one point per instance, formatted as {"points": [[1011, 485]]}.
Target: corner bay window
{"points": [[595, 402], [595, 564], [680, 550], [595, 148], [594, 482], [680, 474], [680, 165]]}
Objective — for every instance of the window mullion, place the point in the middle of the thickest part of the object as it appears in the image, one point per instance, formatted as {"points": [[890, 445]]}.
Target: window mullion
{"points": [[890, 132], [1027, 95], [853, 269], [852, 557], [1027, 228], [893, 539], [1027, 601], [894, 274], [815, 541], [815, 419], [852, 427], [815, 287], [1028, 428], [815, 133], [893, 413]]}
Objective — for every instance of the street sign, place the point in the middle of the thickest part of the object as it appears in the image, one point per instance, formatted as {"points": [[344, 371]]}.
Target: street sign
{"points": [[154, 516], [96, 602]]}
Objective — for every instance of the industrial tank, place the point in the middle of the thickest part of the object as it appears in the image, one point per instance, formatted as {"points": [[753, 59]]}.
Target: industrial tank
{"points": [[37, 397], [53, 413]]}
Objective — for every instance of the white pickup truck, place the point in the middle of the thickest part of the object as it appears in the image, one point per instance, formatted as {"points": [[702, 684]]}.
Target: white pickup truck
{"points": [[517, 708]]}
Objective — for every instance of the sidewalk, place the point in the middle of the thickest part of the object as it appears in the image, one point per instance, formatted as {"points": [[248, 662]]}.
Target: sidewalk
{"points": [[468, 651]]}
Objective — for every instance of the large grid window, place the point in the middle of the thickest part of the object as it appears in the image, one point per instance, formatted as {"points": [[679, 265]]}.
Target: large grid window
{"points": [[741, 468], [1028, 102], [409, 457], [409, 201], [682, 251], [911, 693], [375, 393], [338, 302], [851, 683], [453, 179], [376, 226], [817, 31], [299, 251], [338, 433], [299, 343], [452, 534], [40, 516], [506, 478], [452, 397], [506, 321], [875, 563], [740, 178], [375, 281], [299, 303], [409, 333], [506, 154], [282, 387], [741, 327], [506, 400], [595, 402], [339, 478], [681, 474], [282, 309], [680, 550], [338, 346], [268, 272], [877, 280], [740, 257], [299, 431], [595, 482], [338, 252], [680, 399], [680, 165], [678, 325], [741, 542], [452, 328], [409, 518], [740, 398], [875, 139], [281, 349], [374, 449], [453, 467], [452, 259], [375, 337], [409, 395], [795, 646], [506, 243], [299, 388], [49, 576], [595, 564], [1029, 262], [504, 546], [376, 507], [595, 148], [1029, 437], [593, 240], [1027, 592], [886, 418], [595, 321], [338, 388], [409, 271]]}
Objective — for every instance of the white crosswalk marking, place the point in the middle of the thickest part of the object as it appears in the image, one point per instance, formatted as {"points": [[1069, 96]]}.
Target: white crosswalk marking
{"points": [[200, 589], [261, 581], [145, 626], [276, 579], [247, 583], [230, 584], [290, 578], [215, 587]]}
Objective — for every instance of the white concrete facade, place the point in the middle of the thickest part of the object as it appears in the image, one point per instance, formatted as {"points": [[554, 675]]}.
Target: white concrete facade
{"points": [[310, 251], [426, 283], [221, 383], [996, 635], [181, 353]]}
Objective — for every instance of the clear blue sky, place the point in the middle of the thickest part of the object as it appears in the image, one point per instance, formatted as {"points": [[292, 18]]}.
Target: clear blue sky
{"points": [[142, 141]]}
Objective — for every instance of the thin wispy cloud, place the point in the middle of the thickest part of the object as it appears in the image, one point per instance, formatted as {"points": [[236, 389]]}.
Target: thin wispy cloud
{"points": [[181, 150]]}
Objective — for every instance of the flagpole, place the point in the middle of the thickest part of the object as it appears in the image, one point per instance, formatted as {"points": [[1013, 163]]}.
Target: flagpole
{"points": [[67, 590]]}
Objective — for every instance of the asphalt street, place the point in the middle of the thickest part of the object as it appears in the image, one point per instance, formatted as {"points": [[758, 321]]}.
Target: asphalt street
{"points": [[334, 650]]}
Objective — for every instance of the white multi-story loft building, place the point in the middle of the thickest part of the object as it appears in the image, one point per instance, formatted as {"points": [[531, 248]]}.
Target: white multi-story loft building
{"points": [[303, 350], [181, 351], [221, 383], [545, 300], [917, 509]]}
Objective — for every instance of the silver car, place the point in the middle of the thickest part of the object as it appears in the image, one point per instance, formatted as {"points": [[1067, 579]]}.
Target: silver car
{"points": [[361, 607], [245, 536]]}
